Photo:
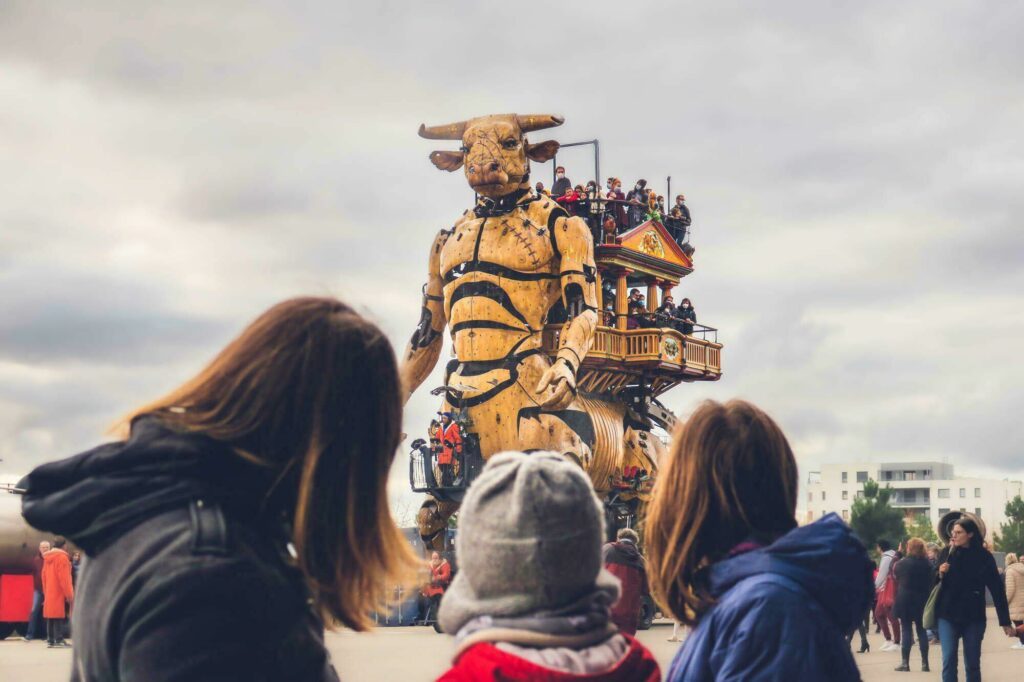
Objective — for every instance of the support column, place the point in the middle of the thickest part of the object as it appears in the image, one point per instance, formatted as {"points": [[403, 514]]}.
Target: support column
{"points": [[666, 289], [620, 301], [652, 295]]}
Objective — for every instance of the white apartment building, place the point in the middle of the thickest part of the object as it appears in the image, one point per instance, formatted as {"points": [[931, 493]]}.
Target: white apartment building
{"points": [[929, 488]]}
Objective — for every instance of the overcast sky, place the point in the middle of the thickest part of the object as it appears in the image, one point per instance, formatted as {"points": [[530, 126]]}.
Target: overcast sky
{"points": [[855, 177]]}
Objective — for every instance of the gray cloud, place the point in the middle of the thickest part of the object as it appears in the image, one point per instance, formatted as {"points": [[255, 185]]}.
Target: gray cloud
{"points": [[854, 174]]}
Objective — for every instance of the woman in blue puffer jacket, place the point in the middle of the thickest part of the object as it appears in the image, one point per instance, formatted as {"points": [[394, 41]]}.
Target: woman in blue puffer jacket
{"points": [[767, 600]]}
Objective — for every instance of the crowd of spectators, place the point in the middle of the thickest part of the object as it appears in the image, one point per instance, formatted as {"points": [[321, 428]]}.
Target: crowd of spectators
{"points": [[682, 318], [611, 211]]}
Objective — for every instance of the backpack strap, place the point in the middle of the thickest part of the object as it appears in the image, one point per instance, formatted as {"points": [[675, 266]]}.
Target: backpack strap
{"points": [[209, 528]]}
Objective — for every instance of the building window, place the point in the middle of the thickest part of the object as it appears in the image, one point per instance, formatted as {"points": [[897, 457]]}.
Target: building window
{"points": [[963, 492], [862, 476], [943, 512], [844, 477], [859, 494], [977, 492], [822, 495], [846, 514], [846, 494], [977, 511], [943, 493], [810, 497]]}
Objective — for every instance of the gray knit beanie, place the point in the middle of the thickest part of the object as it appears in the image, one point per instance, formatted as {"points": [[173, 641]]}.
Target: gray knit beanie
{"points": [[529, 541]]}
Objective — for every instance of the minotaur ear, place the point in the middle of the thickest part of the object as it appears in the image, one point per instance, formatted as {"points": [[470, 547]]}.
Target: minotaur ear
{"points": [[542, 151], [447, 161]]}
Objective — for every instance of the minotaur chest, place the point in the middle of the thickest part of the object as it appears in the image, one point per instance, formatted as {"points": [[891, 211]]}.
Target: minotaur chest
{"points": [[512, 244]]}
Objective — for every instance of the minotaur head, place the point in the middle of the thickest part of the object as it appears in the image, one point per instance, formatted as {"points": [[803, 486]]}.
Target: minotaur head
{"points": [[495, 152]]}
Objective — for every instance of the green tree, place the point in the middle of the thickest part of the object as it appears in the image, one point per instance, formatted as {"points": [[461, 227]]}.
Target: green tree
{"points": [[872, 519], [921, 527], [1010, 537]]}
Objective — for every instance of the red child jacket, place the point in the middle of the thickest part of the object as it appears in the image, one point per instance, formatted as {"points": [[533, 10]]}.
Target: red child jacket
{"points": [[485, 661]]}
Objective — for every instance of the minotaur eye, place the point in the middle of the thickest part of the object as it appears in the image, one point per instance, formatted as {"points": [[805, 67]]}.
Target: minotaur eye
{"points": [[464, 149], [510, 144]]}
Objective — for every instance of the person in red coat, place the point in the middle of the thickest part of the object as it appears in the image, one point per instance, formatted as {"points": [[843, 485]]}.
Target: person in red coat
{"points": [[57, 591], [451, 448], [531, 600], [623, 560], [430, 595]]}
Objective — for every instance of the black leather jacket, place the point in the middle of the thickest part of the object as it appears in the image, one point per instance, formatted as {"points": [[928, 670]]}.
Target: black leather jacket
{"points": [[184, 578]]}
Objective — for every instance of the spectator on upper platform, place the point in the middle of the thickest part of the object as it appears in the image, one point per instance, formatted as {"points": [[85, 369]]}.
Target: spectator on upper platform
{"points": [[541, 192], [569, 200], [637, 199], [616, 206], [562, 183]]}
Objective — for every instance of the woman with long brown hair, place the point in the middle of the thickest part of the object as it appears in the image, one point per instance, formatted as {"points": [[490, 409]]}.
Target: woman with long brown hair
{"points": [[239, 510], [766, 599]]}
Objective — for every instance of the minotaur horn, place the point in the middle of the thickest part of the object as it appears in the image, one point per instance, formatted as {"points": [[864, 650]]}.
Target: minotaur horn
{"points": [[530, 122], [452, 131]]}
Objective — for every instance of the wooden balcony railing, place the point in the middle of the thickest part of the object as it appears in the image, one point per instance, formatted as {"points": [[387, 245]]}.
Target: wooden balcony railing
{"points": [[648, 349]]}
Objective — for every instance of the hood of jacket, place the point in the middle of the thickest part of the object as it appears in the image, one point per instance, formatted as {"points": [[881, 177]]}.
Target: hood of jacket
{"points": [[93, 497], [825, 558]]}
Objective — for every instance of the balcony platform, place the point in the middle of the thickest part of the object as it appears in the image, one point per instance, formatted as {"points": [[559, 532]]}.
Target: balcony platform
{"points": [[662, 358]]}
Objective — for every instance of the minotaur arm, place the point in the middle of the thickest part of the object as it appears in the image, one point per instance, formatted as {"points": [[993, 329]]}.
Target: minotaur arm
{"points": [[579, 296], [425, 345]]}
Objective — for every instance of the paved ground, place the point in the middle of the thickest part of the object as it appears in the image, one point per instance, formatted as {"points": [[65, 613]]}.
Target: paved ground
{"points": [[412, 654]]}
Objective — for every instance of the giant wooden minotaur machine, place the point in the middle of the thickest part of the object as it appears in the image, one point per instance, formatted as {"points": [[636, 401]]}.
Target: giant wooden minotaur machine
{"points": [[519, 285]]}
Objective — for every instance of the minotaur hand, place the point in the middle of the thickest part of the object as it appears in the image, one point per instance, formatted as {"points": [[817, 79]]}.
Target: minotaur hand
{"points": [[561, 379]]}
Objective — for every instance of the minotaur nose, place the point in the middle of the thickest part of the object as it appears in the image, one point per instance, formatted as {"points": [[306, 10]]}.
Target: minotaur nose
{"points": [[494, 166], [472, 168]]}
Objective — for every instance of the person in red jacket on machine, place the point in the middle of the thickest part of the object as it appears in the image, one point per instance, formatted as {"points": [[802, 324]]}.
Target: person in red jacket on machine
{"points": [[451, 448]]}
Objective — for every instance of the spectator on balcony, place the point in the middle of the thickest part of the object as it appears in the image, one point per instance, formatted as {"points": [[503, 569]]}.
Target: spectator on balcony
{"points": [[636, 310], [594, 205], [569, 200], [684, 212], [653, 212], [686, 315], [609, 314], [541, 192], [666, 312], [637, 199], [674, 224], [616, 206], [562, 183]]}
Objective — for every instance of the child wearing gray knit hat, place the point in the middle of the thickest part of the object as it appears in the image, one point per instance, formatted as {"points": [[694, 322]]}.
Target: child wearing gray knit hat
{"points": [[531, 600]]}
